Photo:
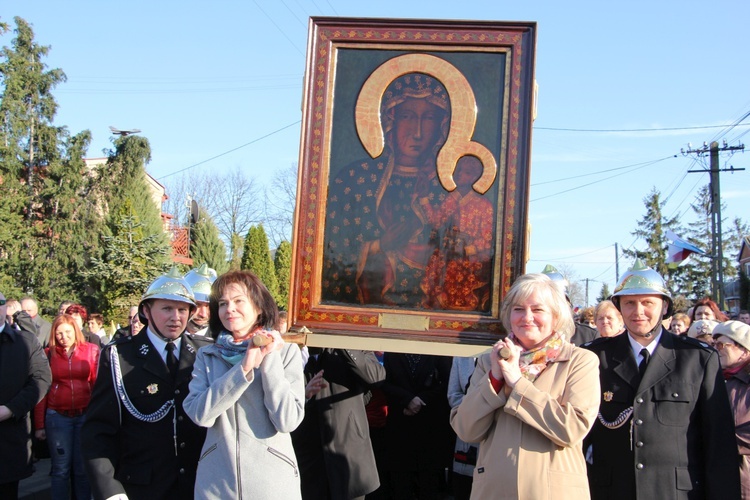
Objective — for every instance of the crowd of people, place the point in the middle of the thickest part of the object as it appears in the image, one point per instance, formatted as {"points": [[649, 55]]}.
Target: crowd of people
{"points": [[200, 396]]}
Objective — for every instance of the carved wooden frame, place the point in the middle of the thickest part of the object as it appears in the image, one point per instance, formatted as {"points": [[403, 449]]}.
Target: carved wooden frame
{"points": [[458, 53]]}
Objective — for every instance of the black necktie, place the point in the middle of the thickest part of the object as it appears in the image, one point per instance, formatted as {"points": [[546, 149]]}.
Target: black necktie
{"points": [[644, 362], [171, 359]]}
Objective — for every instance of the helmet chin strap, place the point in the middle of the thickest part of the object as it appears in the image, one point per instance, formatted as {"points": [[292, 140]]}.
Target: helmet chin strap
{"points": [[653, 332], [153, 326]]}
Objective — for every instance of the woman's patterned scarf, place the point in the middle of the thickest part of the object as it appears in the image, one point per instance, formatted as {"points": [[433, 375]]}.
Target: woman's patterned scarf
{"points": [[533, 362], [230, 350]]}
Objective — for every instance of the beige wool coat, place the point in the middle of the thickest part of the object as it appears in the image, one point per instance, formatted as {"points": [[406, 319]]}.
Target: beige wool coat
{"points": [[530, 441]]}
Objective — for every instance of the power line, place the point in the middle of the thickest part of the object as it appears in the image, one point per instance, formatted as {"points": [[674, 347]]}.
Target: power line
{"points": [[279, 28], [665, 129], [646, 163], [605, 179], [230, 151]]}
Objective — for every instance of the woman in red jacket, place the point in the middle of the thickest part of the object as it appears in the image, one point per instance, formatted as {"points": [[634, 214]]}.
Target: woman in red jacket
{"points": [[60, 415]]}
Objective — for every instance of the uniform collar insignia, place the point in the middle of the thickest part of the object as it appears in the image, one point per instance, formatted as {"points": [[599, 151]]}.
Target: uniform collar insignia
{"points": [[608, 396], [144, 349], [190, 347], [152, 388]]}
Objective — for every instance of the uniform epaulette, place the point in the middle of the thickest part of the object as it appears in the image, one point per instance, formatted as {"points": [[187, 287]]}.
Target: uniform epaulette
{"points": [[695, 342], [596, 341], [199, 339], [122, 340]]}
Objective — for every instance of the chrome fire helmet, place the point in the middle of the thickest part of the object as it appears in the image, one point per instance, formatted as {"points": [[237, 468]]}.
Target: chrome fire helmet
{"points": [[556, 276], [642, 280], [200, 280], [171, 286]]}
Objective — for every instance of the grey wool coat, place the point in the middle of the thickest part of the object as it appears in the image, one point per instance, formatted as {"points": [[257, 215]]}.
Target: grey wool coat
{"points": [[248, 451]]}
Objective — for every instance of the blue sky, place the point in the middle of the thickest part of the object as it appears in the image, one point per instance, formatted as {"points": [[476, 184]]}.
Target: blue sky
{"points": [[622, 88]]}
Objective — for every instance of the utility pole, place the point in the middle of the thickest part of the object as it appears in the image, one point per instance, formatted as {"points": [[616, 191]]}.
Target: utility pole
{"points": [[587, 292], [617, 264], [717, 244]]}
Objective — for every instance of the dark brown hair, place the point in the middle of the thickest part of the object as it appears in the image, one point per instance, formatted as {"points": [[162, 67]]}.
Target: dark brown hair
{"points": [[268, 312]]}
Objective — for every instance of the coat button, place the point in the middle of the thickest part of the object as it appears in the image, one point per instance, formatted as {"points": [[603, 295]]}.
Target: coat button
{"points": [[639, 444], [638, 422], [639, 400], [182, 471], [180, 418], [675, 395], [639, 466], [177, 391], [182, 445]]}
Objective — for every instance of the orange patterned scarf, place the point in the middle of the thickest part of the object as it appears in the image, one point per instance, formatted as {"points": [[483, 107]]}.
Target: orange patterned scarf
{"points": [[533, 362]]}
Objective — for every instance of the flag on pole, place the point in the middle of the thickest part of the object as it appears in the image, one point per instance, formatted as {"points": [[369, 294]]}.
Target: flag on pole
{"points": [[679, 249]]}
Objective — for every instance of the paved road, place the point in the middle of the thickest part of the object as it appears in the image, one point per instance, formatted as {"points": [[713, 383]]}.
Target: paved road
{"points": [[36, 487]]}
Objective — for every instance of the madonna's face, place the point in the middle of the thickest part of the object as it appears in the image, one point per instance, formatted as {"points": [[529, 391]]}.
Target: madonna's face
{"points": [[416, 126]]}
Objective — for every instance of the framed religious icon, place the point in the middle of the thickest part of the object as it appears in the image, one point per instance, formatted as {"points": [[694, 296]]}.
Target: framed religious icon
{"points": [[412, 198]]}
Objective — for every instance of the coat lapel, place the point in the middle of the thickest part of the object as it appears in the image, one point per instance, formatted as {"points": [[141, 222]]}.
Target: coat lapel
{"points": [[187, 360], [152, 361], [661, 363], [624, 361]]}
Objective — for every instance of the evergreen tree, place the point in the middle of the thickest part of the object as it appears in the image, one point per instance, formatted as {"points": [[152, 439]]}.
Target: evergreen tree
{"points": [[44, 217], [282, 262], [604, 293], [696, 277], [131, 260], [651, 229], [235, 259], [257, 258], [123, 180], [206, 244]]}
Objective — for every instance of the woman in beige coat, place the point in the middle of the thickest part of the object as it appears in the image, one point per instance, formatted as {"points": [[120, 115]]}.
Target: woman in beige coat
{"points": [[531, 411]]}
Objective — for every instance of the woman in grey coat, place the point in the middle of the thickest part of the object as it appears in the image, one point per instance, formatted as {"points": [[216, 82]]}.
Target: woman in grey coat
{"points": [[248, 389]]}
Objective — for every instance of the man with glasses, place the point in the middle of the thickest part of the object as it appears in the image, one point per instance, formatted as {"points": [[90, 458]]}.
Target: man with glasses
{"points": [[664, 428], [732, 340], [132, 328]]}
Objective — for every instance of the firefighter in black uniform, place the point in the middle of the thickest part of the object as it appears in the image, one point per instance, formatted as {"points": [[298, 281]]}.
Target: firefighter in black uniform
{"points": [[137, 440], [665, 428]]}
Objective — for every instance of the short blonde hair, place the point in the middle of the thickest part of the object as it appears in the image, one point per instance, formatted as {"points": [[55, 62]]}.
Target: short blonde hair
{"points": [[550, 294], [606, 304]]}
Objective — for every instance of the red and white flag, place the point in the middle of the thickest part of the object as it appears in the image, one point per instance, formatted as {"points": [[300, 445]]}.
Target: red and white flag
{"points": [[679, 249]]}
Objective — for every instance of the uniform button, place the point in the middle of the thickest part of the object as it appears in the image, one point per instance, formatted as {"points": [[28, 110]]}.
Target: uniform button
{"points": [[639, 444], [639, 400], [675, 395], [182, 471], [639, 466], [182, 445], [127, 477], [177, 391], [180, 418], [638, 422]]}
